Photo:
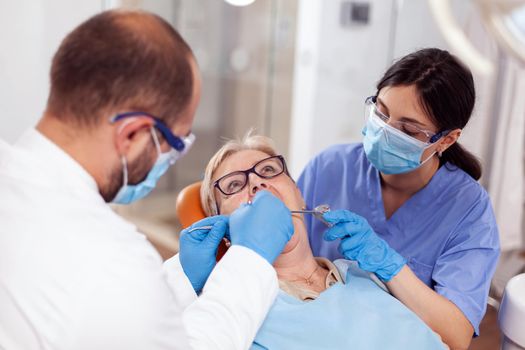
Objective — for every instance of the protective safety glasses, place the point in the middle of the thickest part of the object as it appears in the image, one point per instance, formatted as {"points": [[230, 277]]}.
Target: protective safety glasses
{"points": [[409, 129], [180, 144], [267, 168]]}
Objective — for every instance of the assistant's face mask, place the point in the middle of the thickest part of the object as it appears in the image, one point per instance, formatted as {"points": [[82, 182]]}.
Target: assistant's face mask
{"points": [[390, 150], [131, 193]]}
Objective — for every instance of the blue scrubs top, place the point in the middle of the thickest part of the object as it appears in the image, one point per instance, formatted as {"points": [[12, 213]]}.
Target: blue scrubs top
{"points": [[446, 231]]}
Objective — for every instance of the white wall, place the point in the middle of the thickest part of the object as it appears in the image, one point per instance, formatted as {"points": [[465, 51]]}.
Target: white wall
{"points": [[30, 32], [336, 69]]}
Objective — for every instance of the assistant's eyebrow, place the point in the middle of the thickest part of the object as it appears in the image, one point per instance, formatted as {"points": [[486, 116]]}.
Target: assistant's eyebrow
{"points": [[403, 119]]}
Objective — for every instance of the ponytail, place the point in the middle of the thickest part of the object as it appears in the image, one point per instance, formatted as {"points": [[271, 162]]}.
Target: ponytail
{"points": [[463, 159]]}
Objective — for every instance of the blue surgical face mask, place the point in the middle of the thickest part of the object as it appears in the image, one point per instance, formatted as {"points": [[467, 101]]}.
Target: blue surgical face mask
{"points": [[390, 150], [131, 193]]}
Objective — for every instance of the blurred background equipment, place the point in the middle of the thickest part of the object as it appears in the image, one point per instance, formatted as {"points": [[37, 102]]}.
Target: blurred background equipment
{"points": [[512, 314]]}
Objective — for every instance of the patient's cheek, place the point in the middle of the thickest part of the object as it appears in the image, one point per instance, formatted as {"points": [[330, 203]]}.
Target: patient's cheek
{"points": [[296, 202], [229, 205], [225, 210]]}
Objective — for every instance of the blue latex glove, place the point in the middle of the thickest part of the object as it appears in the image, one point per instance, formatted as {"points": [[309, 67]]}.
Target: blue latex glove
{"points": [[265, 226], [198, 249], [359, 242]]}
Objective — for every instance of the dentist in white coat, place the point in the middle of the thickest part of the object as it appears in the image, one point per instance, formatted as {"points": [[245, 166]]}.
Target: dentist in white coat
{"points": [[73, 274]]}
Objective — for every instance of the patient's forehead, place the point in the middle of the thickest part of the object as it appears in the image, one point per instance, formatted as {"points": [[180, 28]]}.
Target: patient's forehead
{"points": [[241, 160]]}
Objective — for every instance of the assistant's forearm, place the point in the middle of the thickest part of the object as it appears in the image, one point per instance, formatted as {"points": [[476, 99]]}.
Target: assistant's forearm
{"points": [[439, 313]]}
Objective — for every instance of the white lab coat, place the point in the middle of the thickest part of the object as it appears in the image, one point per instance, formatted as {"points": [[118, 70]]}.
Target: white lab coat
{"points": [[74, 275]]}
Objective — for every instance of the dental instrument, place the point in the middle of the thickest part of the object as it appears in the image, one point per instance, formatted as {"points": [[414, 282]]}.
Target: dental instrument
{"points": [[317, 212]]}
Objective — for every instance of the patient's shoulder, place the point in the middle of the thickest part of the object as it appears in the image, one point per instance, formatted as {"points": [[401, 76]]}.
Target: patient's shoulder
{"points": [[350, 269]]}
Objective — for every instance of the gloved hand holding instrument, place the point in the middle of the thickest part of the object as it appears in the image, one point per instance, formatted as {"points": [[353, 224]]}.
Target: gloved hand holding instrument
{"points": [[248, 226], [359, 242]]}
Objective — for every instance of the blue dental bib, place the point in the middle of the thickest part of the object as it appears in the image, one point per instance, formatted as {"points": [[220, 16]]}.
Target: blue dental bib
{"points": [[355, 315]]}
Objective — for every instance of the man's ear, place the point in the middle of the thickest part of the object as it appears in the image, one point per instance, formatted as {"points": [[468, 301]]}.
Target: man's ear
{"points": [[447, 141], [131, 135]]}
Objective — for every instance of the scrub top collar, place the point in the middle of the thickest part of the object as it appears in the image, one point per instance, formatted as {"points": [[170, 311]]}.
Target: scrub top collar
{"points": [[425, 196]]}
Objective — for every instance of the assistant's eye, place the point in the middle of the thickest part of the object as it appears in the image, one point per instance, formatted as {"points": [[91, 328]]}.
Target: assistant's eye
{"points": [[409, 132], [409, 129]]}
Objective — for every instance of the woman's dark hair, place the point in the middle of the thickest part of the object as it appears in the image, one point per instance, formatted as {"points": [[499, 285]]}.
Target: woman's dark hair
{"points": [[446, 93]]}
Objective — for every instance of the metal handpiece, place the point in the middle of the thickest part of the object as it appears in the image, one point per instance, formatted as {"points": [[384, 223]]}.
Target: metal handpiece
{"points": [[318, 212], [200, 228]]}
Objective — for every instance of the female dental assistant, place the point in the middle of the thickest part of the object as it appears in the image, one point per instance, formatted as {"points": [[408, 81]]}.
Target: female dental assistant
{"points": [[411, 209]]}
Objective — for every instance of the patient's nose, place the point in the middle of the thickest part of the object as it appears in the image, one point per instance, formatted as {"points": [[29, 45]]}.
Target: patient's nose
{"points": [[256, 184]]}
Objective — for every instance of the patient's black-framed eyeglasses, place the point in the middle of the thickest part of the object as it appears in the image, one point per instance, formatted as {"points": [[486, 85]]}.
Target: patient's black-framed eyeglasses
{"points": [[266, 168]]}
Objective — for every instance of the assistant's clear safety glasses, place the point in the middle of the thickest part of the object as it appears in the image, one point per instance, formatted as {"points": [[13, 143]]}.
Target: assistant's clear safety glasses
{"points": [[410, 129]]}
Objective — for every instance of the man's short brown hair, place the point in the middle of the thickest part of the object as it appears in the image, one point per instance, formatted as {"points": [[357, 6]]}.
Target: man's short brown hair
{"points": [[120, 61]]}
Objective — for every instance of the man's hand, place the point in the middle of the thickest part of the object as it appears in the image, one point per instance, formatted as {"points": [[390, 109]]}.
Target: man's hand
{"points": [[198, 248], [264, 226]]}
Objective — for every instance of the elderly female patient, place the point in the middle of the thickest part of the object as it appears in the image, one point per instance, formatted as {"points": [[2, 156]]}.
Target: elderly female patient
{"points": [[322, 304]]}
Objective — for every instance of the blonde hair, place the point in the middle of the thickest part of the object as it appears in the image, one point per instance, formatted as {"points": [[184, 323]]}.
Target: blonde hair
{"points": [[248, 142]]}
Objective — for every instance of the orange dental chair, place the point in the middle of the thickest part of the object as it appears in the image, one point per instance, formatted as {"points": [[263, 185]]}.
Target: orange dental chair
{"points": [[189, 210]]}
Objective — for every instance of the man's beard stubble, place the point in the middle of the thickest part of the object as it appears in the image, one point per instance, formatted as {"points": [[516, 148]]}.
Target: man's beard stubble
{"points": [[137, 172]]}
